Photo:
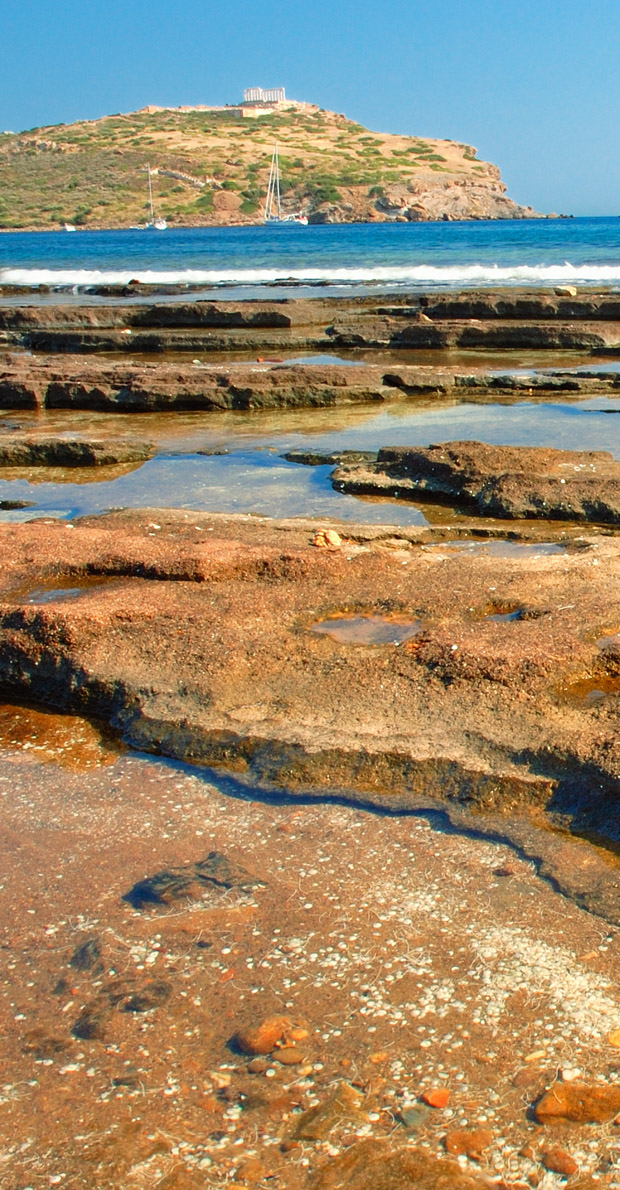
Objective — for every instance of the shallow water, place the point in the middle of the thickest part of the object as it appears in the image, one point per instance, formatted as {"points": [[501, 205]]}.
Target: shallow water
{"points": [[368, 629], [500, 549], [253, 478]]}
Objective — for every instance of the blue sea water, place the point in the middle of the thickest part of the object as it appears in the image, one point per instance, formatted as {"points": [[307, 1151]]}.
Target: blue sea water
{"points": [[584, 251]]}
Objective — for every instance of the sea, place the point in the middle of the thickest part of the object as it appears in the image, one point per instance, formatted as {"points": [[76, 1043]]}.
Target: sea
{"points": [[244, 469], [531, 252]]}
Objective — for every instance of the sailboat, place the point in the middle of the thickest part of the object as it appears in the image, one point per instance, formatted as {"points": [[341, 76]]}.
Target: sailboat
{"points": [[152, 224], [273, 205]]}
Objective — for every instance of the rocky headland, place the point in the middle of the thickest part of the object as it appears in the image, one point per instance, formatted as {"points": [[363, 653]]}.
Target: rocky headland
{"points": [[211, 168]]}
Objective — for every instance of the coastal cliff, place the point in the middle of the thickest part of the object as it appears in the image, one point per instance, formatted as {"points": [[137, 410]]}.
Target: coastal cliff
{"points": [[211, 168]]}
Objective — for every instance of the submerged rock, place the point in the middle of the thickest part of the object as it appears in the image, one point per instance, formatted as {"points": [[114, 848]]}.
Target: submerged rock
{"points": [[580, 1103], [344, 1104], [190, 882], [87, 956], [268, 1036], [375, 1165]]}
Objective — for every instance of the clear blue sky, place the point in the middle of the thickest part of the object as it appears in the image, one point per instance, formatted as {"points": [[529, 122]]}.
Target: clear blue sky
{"points": [[534, 85]]}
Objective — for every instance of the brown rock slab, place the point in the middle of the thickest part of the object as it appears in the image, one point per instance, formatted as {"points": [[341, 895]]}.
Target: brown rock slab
{"points": [[375, 1165], [499, 481], [71, 452], [578, 1102], [202, 649]]}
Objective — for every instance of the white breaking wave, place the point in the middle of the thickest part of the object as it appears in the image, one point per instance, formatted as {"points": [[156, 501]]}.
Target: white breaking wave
{"points": [[468, 274]]}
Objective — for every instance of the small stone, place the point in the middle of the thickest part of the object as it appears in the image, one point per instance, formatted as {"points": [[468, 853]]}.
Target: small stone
{"points": [[578, 1102], [569, 1074], [414, 1116], [614, 1038], [257, 1066], [290, 1055], [297, 1033], [86, 957], [220, 1079], [436, 1098], [327, 539], [471, 1142], [251, 1171], [565, 291], [557, 1160], [263, 1038], [42, 1045]]}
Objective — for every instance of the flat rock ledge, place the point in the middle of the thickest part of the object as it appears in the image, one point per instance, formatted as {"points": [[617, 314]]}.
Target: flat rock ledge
{"points": [[194, 636], [514, 482], [70, 381], [36, 451]]}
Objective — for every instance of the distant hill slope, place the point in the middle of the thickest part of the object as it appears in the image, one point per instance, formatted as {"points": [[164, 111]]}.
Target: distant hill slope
{"points": [[213, 167]]}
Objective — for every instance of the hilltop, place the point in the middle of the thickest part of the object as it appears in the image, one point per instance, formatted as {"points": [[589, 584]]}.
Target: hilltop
{"points": [[211, 168]]}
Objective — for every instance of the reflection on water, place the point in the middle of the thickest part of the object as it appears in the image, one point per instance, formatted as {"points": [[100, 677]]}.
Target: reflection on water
{"points": [[368, 629], [252, 478], [592, 690], [67, 740], [52, 592], [500, 549]]}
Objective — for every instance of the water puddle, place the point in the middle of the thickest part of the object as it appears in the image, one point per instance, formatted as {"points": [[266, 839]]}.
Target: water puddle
{"points": [[592, 690], [324, 358], [506, 617], [609, 642], [46, 737], [368, 629], [500, 549], [53, 590]]}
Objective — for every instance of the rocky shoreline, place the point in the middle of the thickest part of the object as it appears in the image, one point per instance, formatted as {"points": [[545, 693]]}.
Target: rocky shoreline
{"points": [[355, 921]]}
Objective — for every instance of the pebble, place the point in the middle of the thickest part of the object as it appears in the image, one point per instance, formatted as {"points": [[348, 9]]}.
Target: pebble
{"points": [[290, 1055], [257, 1066], [415, 1116], [263, 1038], [343, 1104], [470, 1142], [327, 539], [557, 1160], [436, 1098]]}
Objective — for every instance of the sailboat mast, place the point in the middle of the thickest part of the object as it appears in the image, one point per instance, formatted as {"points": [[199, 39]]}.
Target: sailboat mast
{"points": [[270, 189], [275, 153], [151, 193]]}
